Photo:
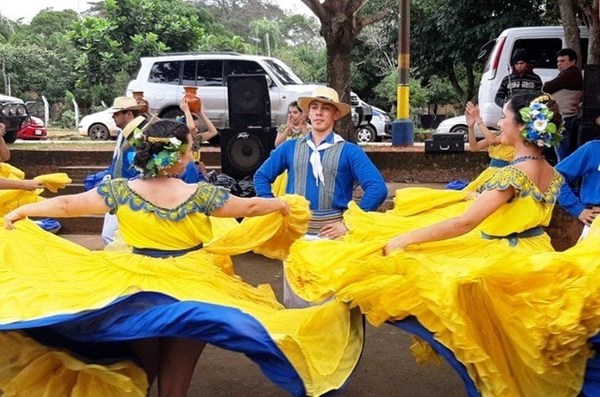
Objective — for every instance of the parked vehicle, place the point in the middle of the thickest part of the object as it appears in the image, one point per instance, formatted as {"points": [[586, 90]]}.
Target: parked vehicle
{"points": [[33, 129], [541, 43], [377, 129], [99, 126], [12, 113], [456, 125], [162, 79]]}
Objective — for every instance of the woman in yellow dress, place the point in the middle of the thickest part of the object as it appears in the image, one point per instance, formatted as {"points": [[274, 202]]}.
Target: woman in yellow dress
{"points": [[500, 154], [484, 288], [72, 320], [15, 190]]}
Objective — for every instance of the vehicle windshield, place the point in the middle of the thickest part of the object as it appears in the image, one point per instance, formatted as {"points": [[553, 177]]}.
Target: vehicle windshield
{"points": [[283, 73], [487, 50]]}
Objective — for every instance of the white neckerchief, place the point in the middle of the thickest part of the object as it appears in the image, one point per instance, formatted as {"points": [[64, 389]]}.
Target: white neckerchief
{"points": [[315, 157]]}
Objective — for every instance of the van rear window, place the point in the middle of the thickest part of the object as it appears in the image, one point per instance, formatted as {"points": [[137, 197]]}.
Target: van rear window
{"points": [[165, 72], [542, 52]]}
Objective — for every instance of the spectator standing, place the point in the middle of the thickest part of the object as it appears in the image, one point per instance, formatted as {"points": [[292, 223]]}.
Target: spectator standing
{"points": [[567, 91], [125, 112], [521, 79]]}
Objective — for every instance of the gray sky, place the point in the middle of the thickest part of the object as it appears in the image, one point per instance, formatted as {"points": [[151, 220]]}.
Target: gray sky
{"points": [[27, 9]]}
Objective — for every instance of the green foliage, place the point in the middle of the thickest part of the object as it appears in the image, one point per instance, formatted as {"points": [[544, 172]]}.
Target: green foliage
{"points": [[125, 30], [34, 70], [449, 35], [66, 120], [212, 42], [308, 62]]}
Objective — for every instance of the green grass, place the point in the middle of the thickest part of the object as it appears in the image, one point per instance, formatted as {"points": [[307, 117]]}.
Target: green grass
{"points": [[62, 139]]}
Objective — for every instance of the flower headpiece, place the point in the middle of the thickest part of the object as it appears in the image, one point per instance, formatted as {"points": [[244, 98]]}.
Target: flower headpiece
{"points": [[172, 150], [538, 128]]}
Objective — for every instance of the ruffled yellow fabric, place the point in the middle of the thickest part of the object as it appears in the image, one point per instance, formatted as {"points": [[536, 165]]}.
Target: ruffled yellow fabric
{"points": [[54, 182], [518, 318], [279, 185], [9, 171], [502, 152], [14, 198], [28, 368], [54, 276]]}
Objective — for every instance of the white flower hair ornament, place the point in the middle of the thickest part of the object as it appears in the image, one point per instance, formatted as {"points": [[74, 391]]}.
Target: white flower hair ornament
{"points": [[538, 127]]}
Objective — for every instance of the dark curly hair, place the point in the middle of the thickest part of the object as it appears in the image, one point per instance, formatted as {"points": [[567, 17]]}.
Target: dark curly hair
{"points": [[146, 149]]}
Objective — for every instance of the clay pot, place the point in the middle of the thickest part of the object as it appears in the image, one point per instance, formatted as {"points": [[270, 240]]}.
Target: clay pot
{"points": [[139, 97], [192, 99]]}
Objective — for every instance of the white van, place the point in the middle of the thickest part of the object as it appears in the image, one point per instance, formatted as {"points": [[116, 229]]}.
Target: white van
{"points": [[541, 43]]}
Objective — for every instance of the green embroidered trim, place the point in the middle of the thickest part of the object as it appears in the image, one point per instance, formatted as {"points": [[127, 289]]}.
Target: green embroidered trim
{"points": [[206, 199], [512, 176]]}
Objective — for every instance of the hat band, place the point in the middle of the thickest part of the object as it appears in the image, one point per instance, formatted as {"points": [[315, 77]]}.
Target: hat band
{"points": [[325, 97]]}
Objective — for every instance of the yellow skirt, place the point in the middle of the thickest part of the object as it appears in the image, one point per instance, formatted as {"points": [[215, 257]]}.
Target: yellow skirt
{"points": [[99, 295]]}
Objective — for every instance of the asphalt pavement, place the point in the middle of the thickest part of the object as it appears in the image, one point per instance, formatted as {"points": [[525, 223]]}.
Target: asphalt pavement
{"points": [[386, 367]]}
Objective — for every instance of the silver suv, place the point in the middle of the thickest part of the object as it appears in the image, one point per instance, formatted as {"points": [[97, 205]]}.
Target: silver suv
{"points": [[162, 79]]}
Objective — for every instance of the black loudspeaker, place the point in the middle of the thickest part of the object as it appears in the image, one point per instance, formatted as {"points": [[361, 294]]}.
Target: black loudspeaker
{"points": [[591, 96], [248, 101], [242, 152], [589, 127]]}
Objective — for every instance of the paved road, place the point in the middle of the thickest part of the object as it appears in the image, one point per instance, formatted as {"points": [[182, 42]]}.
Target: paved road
{"points": [[385, 369]]}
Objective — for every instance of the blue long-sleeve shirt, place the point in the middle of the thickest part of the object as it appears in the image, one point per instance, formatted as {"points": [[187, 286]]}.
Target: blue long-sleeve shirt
{"points": [[353, 165], [121, 165], [585, 163]]}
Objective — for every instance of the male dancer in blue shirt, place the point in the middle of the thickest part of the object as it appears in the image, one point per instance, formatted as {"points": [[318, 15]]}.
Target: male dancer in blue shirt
{"points": [[582, 163], [322, 167]]}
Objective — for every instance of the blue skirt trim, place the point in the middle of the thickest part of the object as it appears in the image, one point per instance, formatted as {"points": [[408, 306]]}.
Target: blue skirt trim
{"points": [[591, 384], [99, 334]]}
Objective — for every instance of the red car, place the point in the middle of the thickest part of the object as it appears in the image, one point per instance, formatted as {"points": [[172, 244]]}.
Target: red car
{"points": [[32, 128]]}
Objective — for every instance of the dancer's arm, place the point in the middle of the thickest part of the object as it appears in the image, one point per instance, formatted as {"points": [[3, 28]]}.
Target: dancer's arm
{"points": [[238, 207], [4, 152], [487, 202], [68, 206]]}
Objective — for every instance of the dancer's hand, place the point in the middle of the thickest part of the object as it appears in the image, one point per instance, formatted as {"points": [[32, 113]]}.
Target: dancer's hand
{"points": [[396, 243], [333, 230], [11, 218], [588, 215], [32, 184], [285, 208]]}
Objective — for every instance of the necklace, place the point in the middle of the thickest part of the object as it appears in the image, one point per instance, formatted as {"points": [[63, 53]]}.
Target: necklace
{"points": [[520, 159]]}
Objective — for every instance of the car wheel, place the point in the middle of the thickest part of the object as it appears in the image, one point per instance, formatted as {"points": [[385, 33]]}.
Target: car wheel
{"points": [[365, 133], [461, 129], [10, 136], [171, 113], [99, 132]]}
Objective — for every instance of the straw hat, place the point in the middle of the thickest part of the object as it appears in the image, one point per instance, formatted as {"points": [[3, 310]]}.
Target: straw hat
{"points": [[324, 95], [122, 103], [132, 125]]}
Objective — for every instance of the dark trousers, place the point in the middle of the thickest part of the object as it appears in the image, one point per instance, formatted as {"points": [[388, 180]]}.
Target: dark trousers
{"points": [[569, 142]]}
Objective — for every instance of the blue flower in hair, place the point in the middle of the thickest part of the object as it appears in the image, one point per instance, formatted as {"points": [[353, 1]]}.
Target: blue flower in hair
{"points": [[538, 128]]}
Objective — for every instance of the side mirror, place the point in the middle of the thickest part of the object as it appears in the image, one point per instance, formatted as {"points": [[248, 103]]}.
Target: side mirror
{"points": [[269, 80]]}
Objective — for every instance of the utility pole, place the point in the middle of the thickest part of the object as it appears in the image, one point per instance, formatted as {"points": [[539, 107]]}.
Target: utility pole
{"points": [[402, 127]]}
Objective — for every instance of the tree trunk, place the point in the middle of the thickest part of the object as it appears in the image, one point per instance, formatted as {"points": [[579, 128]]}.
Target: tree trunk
{"points": [[340, 25], [339, 31], [568, 13], [339, 74], [594, 28]]}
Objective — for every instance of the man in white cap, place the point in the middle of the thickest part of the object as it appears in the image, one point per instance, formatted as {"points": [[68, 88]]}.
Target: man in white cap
{"points": [[322, 167], [125, 112]]}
